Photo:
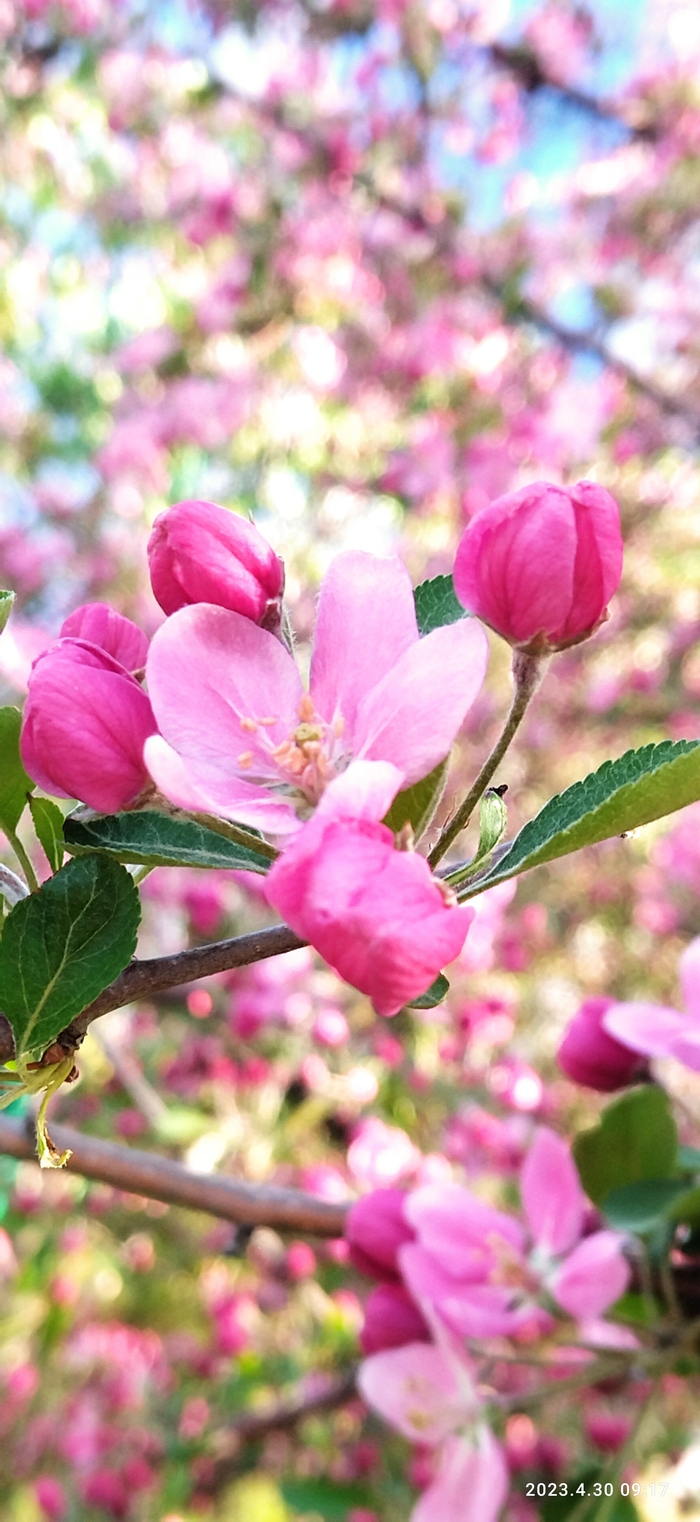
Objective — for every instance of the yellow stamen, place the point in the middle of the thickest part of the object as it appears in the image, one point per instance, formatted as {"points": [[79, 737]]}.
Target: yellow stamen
{"points": [[245, 760]]}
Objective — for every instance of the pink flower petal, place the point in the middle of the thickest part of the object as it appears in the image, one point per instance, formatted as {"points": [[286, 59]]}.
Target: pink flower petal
{"points": [[689, 970], [651, 1029], [233, 674], [200, 789], [366, 620], [466, 1308], [552, 1196], [467, 1236], [415, 1388], [366, 790], [412, 716], [593, 1276], [100, 625], [471, 1483]]}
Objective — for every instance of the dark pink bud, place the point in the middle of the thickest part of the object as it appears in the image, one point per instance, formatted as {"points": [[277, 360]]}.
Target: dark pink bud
{"points": [[391, 1320], [540, 565], [51, 1497], [85, 724], [100, 625], [375, 1229], [589, 1056], [199, 552]]}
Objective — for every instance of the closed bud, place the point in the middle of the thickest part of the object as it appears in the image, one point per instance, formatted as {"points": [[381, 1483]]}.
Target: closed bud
{"points": [[199, 552], [589, 1056], [86, 720], [375, 1229], [541, 564], [391, 1320]]}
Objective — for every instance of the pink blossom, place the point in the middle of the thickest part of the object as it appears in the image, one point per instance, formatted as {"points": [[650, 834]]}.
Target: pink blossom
{"points": [[51, 1497], [392, 1319], [377, 915], [201, 553], [375, 1229], [590, 1056], [541, 564], [250, 745], [85, 723], [98, 624], [380, 1154], [428, 1394], [657, 1031]]}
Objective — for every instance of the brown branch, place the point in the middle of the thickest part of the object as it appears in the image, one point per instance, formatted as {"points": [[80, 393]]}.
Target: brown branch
{"points": [[254, 1425], [142, 979], [520, 60], [158, 1178]]}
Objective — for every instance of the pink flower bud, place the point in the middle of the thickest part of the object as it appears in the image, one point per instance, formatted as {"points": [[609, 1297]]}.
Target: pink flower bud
{"points": [[86, 721], [541, 564], [51, 1497], [391, 1320], [98, 624], [375, 1229], [199, 552], [589, 1056]]}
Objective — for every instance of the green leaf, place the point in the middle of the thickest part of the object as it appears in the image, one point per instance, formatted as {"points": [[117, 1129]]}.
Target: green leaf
{"points": [[493, 820], [686, 1207], [622, 795], [48, 823], [437, 604], [159, 840], [64, 944], [636, 1138], [6, 605], [416, 805], [14, 782], [321, 1497], [643, 1206], [433, 995]]}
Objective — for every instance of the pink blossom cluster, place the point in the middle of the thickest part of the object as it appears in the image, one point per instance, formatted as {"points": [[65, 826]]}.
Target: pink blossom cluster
{"points": [[453, 1271], [227, 728]]}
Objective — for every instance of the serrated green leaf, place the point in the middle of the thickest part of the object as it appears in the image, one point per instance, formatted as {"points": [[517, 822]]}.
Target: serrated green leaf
{"points": [[48, 823], [635, 1138], [643, 1206], [61, 946], [437, 604], [640, 786], [416, 805], [158, 840], [6, 605], [433, 995], [14, 782]]}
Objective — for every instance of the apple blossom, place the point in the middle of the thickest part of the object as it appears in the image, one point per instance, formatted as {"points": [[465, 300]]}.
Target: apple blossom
{"points": [[199, 552], [98, 624], [250, 744], [589, 1055], [541, 564], [653, 1030]]}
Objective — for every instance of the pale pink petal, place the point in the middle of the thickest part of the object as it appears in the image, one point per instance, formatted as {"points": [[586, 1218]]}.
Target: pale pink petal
{"points": [[686, 1049], [366, 620], [607, 1334], [552, 1196], [366, 790], [200, 789], [212, 676], [651, 1029], [415, 1389], [471, 1484], [413, 715], [593, 1276], [466, 1235], [689, 970], [467, 1309]]}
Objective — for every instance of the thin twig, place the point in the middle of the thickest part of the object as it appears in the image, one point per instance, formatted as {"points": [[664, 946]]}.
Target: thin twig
{"points": [[159, 1178], [142, 979], [254, 1425]]}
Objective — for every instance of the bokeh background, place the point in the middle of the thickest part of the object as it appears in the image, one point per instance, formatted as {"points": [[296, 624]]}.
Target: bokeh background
{"points": [[353, 267]]}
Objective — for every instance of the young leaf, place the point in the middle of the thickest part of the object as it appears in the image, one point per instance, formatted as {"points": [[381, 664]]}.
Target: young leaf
{"points": [[643, 1206], [437, 604], [14, 782], [640, 786], [493, 821], [635, 1138], [6, 603], [48, 823], [433, 995], [61, 946], [416, 805], [158, 840]]}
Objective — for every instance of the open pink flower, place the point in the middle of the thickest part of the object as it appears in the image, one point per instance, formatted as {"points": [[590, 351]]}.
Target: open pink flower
{"points": [[376, 914], [657, 1031], [249, 744], [429, 1395]]}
